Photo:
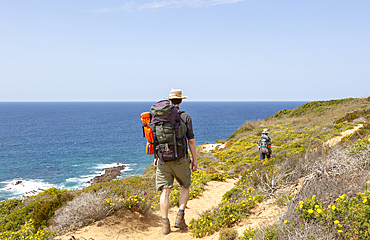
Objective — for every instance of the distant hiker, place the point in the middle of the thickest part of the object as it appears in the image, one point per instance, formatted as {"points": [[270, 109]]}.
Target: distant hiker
{"points": [[264, 145], [173, 162]]}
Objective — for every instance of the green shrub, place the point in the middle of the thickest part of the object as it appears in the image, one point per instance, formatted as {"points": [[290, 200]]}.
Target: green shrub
{"points": [[27, 233], [283, 201], [6, 207], [360, 145], [228, 234], [45, 209], [234, 192], [248, 234], [353, 115], [17, 218], [350, 217], [225, 215], [134, 203], [40, 208], [52, 192], [271, 233]]}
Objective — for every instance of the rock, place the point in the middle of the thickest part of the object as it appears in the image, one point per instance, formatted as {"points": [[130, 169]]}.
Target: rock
{"points": [[18, 182], [108, 175]]}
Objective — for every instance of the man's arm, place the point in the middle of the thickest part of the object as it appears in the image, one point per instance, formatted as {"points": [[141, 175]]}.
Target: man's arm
{"points": [[192, 147]]}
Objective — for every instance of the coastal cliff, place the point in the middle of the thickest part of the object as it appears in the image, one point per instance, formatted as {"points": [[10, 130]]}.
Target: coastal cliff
{"points": [[305, 180]]}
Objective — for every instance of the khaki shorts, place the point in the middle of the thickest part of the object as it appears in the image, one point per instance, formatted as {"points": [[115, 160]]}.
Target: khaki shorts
{"points": [[169, 170]]}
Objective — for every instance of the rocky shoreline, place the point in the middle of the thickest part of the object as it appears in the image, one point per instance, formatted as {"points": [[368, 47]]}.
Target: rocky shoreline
{"points": [[107, 175]]}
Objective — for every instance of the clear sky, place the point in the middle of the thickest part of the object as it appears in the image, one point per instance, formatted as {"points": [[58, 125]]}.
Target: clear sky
{"points": [[237, 50]]}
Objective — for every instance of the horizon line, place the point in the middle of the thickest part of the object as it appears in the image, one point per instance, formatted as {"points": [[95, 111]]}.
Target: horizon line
{"points": [[71, 101]]}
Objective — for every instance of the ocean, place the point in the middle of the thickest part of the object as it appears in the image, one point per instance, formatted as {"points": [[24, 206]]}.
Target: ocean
{"points": [[65, 144]]}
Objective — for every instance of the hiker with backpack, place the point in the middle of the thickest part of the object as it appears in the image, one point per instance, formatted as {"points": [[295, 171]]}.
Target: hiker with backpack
{"points": [[173, 134], [264, 146]]}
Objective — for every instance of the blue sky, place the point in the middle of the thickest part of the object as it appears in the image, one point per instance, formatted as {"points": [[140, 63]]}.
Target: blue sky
{"points": [[226, 50]]}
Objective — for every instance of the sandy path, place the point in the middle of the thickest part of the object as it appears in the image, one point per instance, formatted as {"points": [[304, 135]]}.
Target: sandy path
{"points": [[268, 212], [127, 225], [337, 139], [212, 146], [265, 213]]}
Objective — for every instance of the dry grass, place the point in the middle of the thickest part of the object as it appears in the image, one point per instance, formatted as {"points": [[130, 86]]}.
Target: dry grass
{"points": [[328, 176], [307, 230], [82, 210]]}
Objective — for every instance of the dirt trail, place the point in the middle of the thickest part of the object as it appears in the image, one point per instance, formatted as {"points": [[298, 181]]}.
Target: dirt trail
{"points": [[337, 139], [268, 212], [128, 225]]}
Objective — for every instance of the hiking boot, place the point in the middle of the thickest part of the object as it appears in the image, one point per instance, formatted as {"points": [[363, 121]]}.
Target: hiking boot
{"points": [[166, 227], [180, 221]]}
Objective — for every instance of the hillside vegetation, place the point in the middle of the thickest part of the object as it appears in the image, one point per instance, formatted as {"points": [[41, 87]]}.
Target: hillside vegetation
{"points": [[331, 204]]}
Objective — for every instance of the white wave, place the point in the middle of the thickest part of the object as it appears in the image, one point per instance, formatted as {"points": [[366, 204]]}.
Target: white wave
{"points": [[127, 169], [80, 179], [79, 182], [109, 165], [97, 170], [20, 187]]}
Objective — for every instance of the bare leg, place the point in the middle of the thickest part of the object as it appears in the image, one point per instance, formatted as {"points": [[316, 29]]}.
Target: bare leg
{"points": [[183, 200], [165, 202], [184, 197]]}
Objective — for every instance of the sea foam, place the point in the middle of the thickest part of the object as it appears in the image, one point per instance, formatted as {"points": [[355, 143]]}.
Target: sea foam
{"points": [[20, 187]]}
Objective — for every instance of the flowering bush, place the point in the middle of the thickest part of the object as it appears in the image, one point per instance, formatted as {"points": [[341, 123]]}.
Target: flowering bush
{"points": [[350, 217], [360, 144], [248, 234], [228, 212], [26, 233], [141, 204], [228, 234]]}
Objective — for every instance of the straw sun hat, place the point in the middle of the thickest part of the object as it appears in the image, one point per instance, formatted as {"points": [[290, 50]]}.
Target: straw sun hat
{"points": [[176, 94]]}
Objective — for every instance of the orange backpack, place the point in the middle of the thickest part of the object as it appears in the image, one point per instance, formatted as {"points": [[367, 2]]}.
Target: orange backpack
{"points": [[147, 132]]}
